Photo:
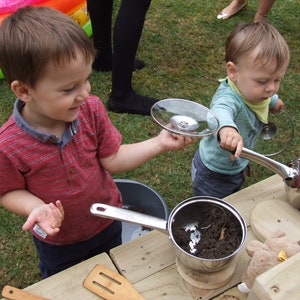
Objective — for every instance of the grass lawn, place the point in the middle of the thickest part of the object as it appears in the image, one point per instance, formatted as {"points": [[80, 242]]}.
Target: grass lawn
{"points": [[183, 47]]}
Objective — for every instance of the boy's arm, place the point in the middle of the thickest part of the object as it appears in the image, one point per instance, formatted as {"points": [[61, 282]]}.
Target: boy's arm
{"points": [[48, 216], [131, 156], [20, 202]]}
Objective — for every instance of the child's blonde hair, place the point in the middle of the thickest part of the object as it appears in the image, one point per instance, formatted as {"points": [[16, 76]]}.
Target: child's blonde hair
{"points": [[33, 37], [260, 36]]}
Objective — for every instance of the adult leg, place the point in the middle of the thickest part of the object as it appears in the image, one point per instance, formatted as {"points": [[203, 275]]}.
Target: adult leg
{"points": [[127, 33], [264, 7], [100, 12], [234, 7]]}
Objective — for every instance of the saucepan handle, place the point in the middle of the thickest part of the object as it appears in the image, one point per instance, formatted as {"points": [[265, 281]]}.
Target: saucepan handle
{"points": [[280, 169], [125, 215]]}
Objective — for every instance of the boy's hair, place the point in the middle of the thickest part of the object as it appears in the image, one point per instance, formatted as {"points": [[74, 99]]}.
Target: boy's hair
{"points": [[260, 36], [33, 37]]}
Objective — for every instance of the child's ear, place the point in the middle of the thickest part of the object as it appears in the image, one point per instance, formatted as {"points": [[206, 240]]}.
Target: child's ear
{"points": [[21, 90], [231, 71]]}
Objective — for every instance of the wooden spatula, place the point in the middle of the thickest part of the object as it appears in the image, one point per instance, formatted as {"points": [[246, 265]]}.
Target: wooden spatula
{"points": [[110, 285], [13, 293]]}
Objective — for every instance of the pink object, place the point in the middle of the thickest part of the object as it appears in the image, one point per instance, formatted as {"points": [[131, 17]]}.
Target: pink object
{"points": [[7, 6]]}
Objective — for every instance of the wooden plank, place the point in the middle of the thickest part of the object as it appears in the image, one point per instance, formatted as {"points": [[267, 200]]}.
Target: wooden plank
{"points": [[246, 200], [151, 267], [144, 256], [279, 283], [165, 284], [68, 284]]}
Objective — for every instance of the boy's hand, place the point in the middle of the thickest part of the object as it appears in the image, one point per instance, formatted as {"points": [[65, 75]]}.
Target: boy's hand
{"points": [[231, 140], [47, 216], [277, 107], [172, 141]]}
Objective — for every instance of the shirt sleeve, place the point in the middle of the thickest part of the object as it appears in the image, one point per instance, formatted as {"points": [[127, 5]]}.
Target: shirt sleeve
{"points": [[11, 178], [226, 109], [274, 99]]}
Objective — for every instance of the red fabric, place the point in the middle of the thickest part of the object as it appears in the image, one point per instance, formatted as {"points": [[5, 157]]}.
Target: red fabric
{"points": [[72, 175]]}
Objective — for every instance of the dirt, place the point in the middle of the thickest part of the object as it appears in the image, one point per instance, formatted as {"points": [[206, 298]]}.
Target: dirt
{"points": [[220, 234]]}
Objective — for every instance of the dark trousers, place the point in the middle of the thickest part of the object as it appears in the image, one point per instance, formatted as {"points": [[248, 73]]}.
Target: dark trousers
{"points": [[54, 258], [209, 183], [127, 30]]}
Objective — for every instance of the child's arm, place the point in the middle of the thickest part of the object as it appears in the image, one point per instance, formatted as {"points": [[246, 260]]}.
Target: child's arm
{"points": [[130, 156], [48, 216]]}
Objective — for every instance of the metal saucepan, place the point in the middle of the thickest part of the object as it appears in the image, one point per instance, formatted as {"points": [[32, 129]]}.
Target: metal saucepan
{"points": [[290, 173], [185, 216]]}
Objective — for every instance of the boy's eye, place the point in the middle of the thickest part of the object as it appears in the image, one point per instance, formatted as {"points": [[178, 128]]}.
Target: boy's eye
{"points": [[266, 81], [68, 90], [261, 81]]}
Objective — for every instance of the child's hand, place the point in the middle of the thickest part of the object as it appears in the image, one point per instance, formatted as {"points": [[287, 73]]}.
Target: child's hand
{"points": [[172, 141], [231, 140], [47, 216], [279, 105]]}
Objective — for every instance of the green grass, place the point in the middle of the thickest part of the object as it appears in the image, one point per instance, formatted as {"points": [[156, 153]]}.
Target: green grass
{"points": [[183, 47]]}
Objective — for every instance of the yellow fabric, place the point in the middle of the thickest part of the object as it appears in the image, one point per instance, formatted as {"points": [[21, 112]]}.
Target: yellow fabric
{"points": [[260, 109]]}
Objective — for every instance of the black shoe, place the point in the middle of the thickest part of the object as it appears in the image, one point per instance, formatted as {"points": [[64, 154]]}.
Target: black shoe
{"points": [[138, 65], [133, 104], [106, 67]]}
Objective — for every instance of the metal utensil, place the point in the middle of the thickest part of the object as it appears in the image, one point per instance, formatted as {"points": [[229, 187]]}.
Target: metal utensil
{"points": [[182, 216], [290, 174], [185, 117], [277, 135], [282, 170]]}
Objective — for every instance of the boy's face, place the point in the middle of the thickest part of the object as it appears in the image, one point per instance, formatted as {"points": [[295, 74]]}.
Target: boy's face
{"points": [[255, 81], [57, 96]]}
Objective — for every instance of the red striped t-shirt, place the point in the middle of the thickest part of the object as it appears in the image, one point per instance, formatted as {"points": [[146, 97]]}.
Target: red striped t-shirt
{"points": [[68, 170]]}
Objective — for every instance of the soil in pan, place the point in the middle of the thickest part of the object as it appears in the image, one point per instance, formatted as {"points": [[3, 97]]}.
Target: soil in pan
{"points": [[216, 233]]}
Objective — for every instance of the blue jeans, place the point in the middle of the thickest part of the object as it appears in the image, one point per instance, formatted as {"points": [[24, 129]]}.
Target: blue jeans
{"points": [[56, 258], [209, 183]]}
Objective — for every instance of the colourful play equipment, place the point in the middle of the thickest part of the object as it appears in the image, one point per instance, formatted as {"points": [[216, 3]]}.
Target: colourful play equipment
{"points": [[76, 9]]}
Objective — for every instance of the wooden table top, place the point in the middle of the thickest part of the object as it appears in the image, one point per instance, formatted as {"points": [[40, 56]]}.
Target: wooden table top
{"points": [[148, 262]]}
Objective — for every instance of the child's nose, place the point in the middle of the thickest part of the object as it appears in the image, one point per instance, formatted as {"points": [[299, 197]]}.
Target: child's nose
{"points": [[271, 87], [85, 91]]}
